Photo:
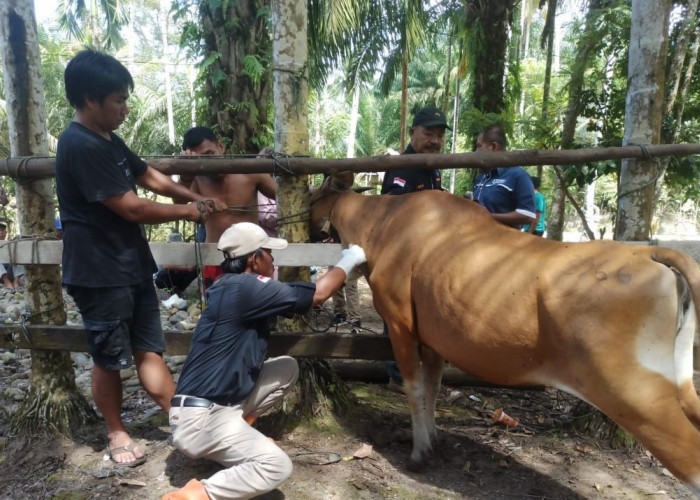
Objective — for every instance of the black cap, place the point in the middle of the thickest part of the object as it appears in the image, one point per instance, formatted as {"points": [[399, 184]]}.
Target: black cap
{"points": [[430, 116]]}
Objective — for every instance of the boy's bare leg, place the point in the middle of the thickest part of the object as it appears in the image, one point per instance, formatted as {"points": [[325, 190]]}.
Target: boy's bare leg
{"points": [[155, 377], [107, 394]]}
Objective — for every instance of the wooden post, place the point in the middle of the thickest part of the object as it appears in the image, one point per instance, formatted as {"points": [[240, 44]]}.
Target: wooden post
{"points": [[54, 401]]}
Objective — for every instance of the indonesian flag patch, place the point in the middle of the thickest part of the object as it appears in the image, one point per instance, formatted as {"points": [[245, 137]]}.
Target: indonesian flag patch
{"points": [[399, 182], [262, 278]]}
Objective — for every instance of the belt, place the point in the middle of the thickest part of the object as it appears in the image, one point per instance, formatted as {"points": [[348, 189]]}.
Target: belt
{"points": [[191, 402]]}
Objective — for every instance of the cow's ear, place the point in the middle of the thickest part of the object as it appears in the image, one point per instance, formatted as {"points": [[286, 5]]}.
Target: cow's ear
{"points": [[342, 181]]}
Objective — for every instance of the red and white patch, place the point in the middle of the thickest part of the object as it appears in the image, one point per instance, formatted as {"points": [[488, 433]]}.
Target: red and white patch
{"points": [[262, 278], [399, 181]]}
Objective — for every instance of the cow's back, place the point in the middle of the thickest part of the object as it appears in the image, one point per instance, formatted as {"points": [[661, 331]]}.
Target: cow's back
{"points": [[505, 305]]}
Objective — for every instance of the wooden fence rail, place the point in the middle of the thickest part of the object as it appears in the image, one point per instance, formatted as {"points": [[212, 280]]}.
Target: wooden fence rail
{"points": [[318, 345], [43, 167]]}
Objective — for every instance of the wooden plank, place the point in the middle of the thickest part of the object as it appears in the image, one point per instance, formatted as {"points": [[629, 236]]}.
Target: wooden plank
{"points": [[326, 345], [183, 254], [175, 254]]}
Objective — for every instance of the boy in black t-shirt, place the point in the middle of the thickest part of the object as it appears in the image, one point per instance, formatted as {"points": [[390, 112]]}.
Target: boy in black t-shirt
{"points": [[107, 264]]}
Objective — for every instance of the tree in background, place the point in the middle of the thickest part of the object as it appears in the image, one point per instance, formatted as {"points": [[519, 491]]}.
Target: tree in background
{"points": [[234, 44], [54, 402], [643, 116], [96, 23], [486, 31]]}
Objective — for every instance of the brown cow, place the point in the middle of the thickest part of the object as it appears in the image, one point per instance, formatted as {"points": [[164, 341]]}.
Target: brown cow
{"points": [[610, 323]]}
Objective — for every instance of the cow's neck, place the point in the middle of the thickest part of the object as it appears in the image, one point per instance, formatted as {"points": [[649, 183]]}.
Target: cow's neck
{"points": [[354, 217]]}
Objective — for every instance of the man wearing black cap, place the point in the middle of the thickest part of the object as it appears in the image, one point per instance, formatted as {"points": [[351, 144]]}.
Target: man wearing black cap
{"points": [[427, 136]]}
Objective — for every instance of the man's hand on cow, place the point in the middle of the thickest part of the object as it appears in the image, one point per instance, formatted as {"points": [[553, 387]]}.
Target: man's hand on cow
{"points": [[350, 258]]}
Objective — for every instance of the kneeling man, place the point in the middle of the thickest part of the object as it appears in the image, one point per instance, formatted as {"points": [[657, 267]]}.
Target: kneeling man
{"points": [[226, 383]]}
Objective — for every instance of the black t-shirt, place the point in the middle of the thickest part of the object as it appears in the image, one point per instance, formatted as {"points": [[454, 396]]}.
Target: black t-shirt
{"points": [[229, 344], [409, 181], [100, 248]]}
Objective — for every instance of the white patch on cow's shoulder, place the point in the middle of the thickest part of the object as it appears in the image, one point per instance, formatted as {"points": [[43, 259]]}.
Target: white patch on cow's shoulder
{"points": [[656, 338]]}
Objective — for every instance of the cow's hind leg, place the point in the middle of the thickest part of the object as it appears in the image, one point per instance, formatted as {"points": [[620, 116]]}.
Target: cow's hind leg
{"points": [[647, 405], [432, 376], [683, 363]]}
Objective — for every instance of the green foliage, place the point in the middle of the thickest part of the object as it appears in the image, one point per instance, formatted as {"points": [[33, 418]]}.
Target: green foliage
{"points": [[97, 24], [253, 68]]}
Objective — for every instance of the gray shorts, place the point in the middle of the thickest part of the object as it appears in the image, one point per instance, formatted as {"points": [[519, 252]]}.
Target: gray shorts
{"points": [[120, 320]]}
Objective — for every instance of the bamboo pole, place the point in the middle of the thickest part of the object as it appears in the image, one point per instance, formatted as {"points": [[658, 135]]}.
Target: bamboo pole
{"points": [[42, 167]]}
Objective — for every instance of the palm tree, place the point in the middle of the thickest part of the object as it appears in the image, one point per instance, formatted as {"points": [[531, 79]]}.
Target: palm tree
{"points": [[233, 43], [357, 32], [486, 33], [97, 23], [54, 402]]}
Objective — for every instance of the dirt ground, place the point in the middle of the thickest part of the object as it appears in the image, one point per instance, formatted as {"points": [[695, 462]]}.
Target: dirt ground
{"points": [[475, 458]]}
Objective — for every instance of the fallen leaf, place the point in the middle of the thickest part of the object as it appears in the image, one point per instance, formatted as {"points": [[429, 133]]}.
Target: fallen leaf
{"points": [[596, 486], [363, 451], [503, 464]]}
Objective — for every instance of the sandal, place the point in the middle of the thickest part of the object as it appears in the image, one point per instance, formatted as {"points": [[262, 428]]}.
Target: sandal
{"points": [[128, 448]]}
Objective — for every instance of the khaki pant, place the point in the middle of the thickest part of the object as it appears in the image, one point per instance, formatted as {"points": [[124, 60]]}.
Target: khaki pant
{"points": [[255, 465], [347, 299]]}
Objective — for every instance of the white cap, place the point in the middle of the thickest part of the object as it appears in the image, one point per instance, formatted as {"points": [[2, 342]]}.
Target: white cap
{"points": [[245, 237]]}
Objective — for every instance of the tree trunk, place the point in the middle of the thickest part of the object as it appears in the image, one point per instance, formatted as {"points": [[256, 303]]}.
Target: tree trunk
{"points": [[289, 56], [53, 402], [682, 77], [643, 115], [491, 20], [548, 35], [320, 388], [404, 97], [238, 99], [585, 48], [354, 115], [680, 51], [164, 8]]}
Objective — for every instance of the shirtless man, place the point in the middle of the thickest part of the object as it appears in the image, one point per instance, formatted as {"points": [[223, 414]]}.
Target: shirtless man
{"points": [[236, 190]]}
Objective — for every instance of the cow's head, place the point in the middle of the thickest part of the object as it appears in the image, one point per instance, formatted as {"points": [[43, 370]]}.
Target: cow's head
{"points": [[322, 200]]}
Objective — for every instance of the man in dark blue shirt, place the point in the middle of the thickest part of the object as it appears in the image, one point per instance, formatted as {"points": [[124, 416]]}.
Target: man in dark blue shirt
{"points": [[107, 264], [226, 383], [506, 192]]}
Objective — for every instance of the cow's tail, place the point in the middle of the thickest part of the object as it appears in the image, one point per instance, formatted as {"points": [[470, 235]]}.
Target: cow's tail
{"points": [[688, 286]]}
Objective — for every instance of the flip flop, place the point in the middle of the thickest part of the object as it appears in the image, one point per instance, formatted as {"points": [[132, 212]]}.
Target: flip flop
{"points": [[128, 448]]}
